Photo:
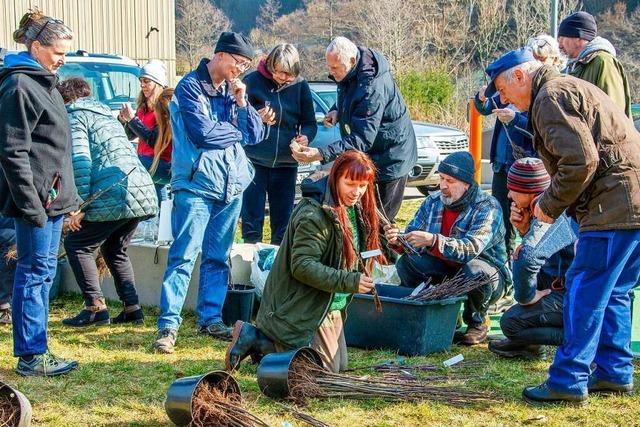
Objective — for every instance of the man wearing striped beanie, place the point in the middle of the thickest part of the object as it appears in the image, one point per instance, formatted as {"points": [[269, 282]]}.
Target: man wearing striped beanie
{"points": [[539, 266]]}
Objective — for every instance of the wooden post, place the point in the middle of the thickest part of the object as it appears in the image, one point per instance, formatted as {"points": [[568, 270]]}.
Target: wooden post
{"points": [[475, 139]]}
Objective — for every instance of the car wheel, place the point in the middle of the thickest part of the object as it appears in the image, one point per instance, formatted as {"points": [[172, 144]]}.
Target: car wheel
{"points": [[425, 189]]}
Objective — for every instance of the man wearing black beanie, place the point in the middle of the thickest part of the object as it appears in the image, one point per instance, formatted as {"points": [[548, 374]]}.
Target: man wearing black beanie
{"points": [[593, 58]]}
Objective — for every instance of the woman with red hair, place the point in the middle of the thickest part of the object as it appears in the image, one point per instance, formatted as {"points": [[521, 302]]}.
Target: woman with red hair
{"points": [[317, 268]]}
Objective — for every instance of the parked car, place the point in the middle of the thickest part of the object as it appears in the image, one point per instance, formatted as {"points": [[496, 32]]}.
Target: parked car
{"points": [[113, 78], [434, 142]]}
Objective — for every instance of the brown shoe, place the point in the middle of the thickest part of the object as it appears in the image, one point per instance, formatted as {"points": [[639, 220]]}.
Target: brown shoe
{"points": [[475, 335]]}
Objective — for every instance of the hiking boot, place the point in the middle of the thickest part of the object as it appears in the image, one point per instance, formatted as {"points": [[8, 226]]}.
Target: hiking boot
{"points": [[472, 336], [5, 316], [543, 394], [597, 385], [130, 314], [247, 340], [89, 316], [166, 340], [45, 365], [512, 349], [217, 330]]}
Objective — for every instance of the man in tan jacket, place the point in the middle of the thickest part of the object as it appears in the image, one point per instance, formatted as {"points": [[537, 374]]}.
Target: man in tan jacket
{"points": [[589, 147]]}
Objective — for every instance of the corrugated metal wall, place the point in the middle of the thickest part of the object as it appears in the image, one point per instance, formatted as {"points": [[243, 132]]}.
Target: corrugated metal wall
{"points": [[105, 26]]}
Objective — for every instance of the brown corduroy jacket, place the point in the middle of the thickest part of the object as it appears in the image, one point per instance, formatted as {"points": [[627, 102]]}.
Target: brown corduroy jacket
{"points": [[590, 149]]}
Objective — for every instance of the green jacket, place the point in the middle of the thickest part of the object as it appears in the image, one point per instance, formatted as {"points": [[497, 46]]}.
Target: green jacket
{"points": [[598, 65], [102, 155], [307, 271]]}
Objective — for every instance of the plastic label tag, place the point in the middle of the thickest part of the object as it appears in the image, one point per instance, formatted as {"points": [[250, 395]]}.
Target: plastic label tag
{"points": [[371, 253], [455, 359]]}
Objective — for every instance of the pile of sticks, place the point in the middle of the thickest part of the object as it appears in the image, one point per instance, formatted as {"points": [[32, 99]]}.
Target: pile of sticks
{"points": [[456, 286], [9, 413], [308, 380], [214, 405]]}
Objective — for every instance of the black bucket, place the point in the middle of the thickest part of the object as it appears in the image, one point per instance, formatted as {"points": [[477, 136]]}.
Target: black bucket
{"points": [[179, 403], [273, 372], [238, 305], [20, 401]]}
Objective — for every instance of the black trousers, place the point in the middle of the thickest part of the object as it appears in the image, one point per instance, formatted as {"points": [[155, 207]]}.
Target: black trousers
{"points": [[112, 238], [500, 192], [391, 194]]}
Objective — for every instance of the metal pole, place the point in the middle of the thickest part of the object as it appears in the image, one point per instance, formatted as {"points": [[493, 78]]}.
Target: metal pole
{"points": [[554, 19]]}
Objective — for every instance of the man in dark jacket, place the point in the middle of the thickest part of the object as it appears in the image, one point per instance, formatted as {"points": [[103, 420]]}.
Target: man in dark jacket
{"points": [[589, 148], [593, 58], [373, 118]]}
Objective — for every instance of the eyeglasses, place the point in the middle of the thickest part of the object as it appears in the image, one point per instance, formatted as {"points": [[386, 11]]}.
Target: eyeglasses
{"points": [[52, 20], [242, 66]]}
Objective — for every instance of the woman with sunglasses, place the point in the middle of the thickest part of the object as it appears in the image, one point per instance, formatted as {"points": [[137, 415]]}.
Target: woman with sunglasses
{"points": [[284, 101], [36, 187], [143, 124]]}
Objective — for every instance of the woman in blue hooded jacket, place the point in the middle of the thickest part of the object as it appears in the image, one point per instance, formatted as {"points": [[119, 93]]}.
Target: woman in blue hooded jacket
{"points": [[104, 159], [286, 106]]}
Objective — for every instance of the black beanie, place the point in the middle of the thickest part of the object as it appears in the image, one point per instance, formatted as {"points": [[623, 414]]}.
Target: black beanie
{"points": [[580, 25], [459, 165], [235, 43]]}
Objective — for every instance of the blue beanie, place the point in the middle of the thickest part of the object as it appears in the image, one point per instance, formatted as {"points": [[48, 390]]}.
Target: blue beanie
{"points": [[459, 165]]}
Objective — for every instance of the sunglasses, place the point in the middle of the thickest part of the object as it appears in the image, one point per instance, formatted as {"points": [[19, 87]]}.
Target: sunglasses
{"points": [[51, 20]]}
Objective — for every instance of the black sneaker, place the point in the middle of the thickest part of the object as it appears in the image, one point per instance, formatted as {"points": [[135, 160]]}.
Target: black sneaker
{"points": [[217, 330], [45, 365], [166, 340], [88, 318], [596, 385], [5, 316], [136, 317], [510, 349]]}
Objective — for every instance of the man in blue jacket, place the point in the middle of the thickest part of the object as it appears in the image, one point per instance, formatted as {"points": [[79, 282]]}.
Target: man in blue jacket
{"points": [[211, 121], [373, 118]]}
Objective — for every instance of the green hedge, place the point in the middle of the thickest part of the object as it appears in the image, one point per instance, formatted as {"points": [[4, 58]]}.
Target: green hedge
{"points": [[426, 89]]}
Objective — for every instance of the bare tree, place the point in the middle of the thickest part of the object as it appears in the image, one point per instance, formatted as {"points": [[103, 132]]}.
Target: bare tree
{"points": [[198, 24], [268, 14]]}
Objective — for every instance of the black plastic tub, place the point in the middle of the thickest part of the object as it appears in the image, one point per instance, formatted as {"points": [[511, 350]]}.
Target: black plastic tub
{"points": [[20, 401], [273, 371], [179, 403], [407, 327], [238, 305]]}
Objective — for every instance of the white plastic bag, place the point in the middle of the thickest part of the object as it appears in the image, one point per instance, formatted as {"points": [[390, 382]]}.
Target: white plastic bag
{"points": [[259, 276]]}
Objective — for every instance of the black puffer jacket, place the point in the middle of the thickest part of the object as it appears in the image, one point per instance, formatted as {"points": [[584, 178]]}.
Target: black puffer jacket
{"points": [[35, 144], [374, 118]]}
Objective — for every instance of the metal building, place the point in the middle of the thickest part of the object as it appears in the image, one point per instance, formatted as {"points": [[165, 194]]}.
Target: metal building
{"points": [[139, 29]]}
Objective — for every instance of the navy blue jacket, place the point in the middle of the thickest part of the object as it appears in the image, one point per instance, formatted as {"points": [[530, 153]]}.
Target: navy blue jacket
{"points": [[374, 118], [295, 114]]}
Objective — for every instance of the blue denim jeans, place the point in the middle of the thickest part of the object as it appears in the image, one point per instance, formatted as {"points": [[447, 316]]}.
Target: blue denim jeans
{"points": [[35, 271], [597, 311], [161, 178], [198, 223], [280, 185]]}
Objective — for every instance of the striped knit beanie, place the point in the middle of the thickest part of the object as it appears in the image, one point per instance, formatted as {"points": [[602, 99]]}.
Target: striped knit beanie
{"points": [[528, 176]]}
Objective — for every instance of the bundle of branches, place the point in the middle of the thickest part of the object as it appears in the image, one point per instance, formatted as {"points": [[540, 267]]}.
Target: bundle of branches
{"points": [[306, 418], [427, 367], [307, 380], [9, 411], [456, 286], [213, 405]]}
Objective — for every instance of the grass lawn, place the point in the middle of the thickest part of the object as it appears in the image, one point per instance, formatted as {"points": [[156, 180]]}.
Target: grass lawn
{"points": [[121, 381]]}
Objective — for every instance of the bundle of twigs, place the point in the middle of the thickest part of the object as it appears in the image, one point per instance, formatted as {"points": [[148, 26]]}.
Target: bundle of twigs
{"points": [[214, 405], [306, 418], [456, 286], [9, 413], [308, 380], [427, 367]]}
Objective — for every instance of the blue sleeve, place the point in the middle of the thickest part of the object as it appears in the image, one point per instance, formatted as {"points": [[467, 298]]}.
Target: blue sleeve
{"points": [[250, 125], [136, 127], [81, 155], [364, 125], [201, 130]]}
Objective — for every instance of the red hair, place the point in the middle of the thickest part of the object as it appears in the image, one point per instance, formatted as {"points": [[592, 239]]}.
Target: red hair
{"points": [[357, 166]]}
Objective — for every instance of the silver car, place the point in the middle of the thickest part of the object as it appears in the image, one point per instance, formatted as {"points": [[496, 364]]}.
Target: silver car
{"points": [[434, 142]]}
